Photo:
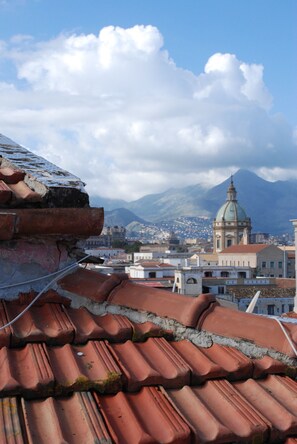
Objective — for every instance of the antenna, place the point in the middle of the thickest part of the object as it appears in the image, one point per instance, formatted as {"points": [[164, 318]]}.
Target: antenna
{"points": [[253, 303]]}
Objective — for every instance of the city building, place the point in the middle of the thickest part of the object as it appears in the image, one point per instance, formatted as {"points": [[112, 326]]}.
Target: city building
{"points": [[231, 225], [150, 270], [265, 260]]}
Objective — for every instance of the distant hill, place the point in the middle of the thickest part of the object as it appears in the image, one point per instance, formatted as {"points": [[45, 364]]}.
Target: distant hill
{"points": [[121, 217], [270, 205]]}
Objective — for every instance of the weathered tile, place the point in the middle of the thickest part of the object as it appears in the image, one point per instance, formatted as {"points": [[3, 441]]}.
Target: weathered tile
{"points": [[75, 419], [10, 425], [10, 175], [90, 366], [216, 412], [275, 399], [142, 417]]}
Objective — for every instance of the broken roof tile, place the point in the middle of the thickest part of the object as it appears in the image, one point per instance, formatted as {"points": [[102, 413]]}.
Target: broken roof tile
{"points": [[10, 175], [143, 417], [23, 192], [153, 362]]}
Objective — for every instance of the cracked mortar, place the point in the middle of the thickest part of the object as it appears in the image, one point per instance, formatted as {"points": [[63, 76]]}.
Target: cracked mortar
{"points": [[200, 338]]}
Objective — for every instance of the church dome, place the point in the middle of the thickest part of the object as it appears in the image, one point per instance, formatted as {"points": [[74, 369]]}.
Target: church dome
{"points": [[231, 211]]}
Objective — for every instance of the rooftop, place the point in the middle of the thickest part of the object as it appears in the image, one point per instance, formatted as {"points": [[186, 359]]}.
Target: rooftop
{"points": [[142, 366], [249, 248]]}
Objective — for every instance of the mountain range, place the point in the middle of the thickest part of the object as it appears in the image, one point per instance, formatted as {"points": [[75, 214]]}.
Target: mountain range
{"points": [[270, 205]]}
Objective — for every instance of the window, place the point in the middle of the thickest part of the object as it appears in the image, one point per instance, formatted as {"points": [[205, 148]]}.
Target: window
{"points": [[152, 274], [263, 264], [224, 274], [283, 308], [280, 264], [270, 309], [177, 280], [221, 290], [291, 307], [191, 281], [229, 242], [271, 264], [218, 243]]}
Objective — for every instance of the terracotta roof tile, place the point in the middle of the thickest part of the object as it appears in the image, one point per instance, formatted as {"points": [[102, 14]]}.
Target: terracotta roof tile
{"points": [[267, 365], [90, 366], [11, 176], [185, 310], [250, 248], [5, 193], [25, 371], [150, 416], [47, 323], [275, 399], [23, 192], [261, 330], [84, 374], [5, 334], [153, 362], [73, 419], [217, 412], [95, 286]]}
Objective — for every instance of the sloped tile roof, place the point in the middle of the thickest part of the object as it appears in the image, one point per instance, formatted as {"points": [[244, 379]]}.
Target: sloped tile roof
{"points": [[86, 375], [250, 248]]}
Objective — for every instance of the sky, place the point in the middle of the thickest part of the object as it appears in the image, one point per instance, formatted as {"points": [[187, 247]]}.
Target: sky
{"points": [[139, 96]]}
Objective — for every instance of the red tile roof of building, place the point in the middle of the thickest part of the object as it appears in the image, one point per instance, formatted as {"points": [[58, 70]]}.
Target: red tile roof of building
{"points": [[250, 248], [127, 381]]}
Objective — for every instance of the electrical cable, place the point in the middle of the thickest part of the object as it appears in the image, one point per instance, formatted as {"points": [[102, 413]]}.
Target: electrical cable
{"points": [[287, 336], [61, 273], [4, 287]]}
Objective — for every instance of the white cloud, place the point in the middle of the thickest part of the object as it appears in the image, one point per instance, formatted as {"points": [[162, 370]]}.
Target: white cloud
{"points": [[115, 110]]}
